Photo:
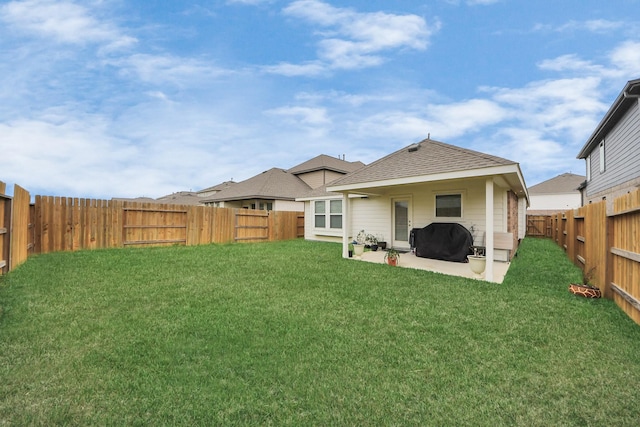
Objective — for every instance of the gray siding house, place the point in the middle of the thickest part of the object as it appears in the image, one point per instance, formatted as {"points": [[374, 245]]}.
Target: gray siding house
{"points": [[612, 152]]}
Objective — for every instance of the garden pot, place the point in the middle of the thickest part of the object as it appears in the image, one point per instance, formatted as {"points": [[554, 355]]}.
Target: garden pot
{"points": [[477, 263], [358, 250], [382, 245], [374, 248], [392, 261], [586, 291]]}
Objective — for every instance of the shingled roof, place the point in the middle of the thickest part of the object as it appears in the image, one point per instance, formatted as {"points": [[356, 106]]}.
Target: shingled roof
{"points": [[425, 158], [218, 187], [274, 183], [324, 162], [565, 183]]}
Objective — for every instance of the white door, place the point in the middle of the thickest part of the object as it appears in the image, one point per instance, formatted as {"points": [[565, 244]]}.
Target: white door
{"points": [[401, 222]]}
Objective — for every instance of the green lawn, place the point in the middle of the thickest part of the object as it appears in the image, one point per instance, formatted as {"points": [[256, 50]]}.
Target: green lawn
{"points": [[288, 333]]}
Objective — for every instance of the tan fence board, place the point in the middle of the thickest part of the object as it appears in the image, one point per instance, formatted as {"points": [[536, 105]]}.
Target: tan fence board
{"points": [[19, 226]]}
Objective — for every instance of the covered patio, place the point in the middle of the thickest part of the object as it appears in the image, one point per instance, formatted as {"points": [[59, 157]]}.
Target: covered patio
{"points": [[409, 260]]}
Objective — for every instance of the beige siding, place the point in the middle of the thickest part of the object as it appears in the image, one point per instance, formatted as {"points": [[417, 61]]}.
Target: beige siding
{"points": [[310, 233], [373, 214], [317, 179], [288, 205], [562, 202]]}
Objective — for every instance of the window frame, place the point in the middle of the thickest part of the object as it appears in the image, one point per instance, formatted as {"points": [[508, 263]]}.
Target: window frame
{"points": [[327, 216], [437, 195]]}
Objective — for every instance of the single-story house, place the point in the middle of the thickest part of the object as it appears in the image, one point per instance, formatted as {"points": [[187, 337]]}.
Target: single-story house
{"points": [[423, 183], [612, 152], [215, 189], [277, 189], [558, 194]]}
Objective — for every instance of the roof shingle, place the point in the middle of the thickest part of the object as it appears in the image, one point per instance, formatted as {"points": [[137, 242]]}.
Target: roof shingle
{"points": [[274, 183], [427, 157]]}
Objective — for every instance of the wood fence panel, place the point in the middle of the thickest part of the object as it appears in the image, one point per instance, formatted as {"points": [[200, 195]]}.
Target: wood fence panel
{"points": [[251, 225], [596, 243], [20, 225], [152, 224], [283, 225], [539, 225], [569, 233], [223, 223], [5, 229], [624, 276]]}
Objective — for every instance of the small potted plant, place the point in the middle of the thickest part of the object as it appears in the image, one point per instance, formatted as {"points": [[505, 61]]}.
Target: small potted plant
{"points": [[585, 289], [372, 241], [392, 256], [381, 243], [477, 261], [358, 243]]}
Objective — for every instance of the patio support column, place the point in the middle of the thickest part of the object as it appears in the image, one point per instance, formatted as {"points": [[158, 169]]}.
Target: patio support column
{"points": [[488, 239], [346, 224]]}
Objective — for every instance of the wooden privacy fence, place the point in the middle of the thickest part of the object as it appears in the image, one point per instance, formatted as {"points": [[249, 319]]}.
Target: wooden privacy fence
{"points": [[69, 224], [607, 246], [539, 225], [16, 228]]}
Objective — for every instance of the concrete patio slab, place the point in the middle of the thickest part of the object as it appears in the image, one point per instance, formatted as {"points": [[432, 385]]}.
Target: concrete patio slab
{"points": [[409, 260]]}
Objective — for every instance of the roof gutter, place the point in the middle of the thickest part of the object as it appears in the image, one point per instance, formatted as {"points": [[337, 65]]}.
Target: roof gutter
{"points": [[614, 111]]}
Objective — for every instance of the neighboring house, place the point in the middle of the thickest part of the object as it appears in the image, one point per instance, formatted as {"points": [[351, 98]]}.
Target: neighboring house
{"points": [[612, 152], [277, 189], [180, 198], [323, 169], [557, 194], [274, 189], [210, 191], [423, 183]]}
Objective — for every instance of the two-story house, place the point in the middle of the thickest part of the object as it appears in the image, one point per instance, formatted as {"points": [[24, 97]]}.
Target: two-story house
{"points": [[612, 152]]}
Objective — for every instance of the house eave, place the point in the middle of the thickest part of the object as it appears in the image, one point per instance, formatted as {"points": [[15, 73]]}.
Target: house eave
{"points": [[623, 102], [511, 173], [253, 197]]}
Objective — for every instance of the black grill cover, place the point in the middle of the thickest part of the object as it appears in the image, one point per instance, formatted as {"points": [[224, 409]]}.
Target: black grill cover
{"points": [[444, 241]]}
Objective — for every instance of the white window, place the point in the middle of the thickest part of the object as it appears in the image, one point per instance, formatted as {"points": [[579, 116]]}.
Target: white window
{"points": [[602, 168], [588, 160], [449, 206], [328, 214]]}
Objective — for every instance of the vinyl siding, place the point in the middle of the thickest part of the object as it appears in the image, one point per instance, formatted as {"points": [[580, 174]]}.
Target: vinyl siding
{"points": [[319, 178], [309, 226], [563, 202], [288, 205], [622, 156], [373, 214]]}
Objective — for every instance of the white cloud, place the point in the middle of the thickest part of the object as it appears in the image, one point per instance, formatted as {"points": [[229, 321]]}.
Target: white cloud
{"points": [[63, 22], [303, 115], [626, 58], [158, 69], [570, 62], [598, 26], [311, 68], [351, 39]]}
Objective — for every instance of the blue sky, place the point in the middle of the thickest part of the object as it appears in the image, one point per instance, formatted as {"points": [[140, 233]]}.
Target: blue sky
{"points": [[122, 98]]}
